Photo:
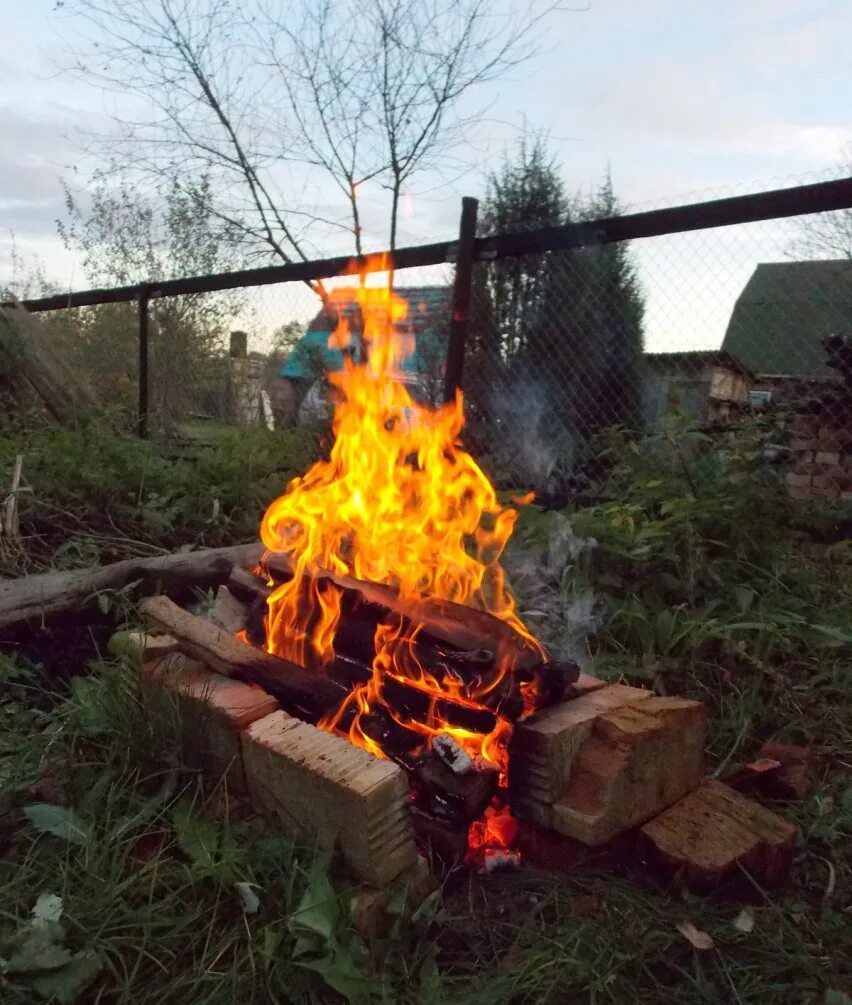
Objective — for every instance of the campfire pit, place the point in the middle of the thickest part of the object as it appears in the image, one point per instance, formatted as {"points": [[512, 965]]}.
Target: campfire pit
{"points": [[411, 694]]}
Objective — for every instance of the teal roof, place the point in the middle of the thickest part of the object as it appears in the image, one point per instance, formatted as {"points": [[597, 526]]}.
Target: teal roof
{"points": [[313, 349], [785, 311], [427, 319]]}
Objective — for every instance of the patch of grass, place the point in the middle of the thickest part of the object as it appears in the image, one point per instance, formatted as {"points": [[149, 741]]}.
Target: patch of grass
{"points": [[92, 496], [696, 576], [174, 893]]}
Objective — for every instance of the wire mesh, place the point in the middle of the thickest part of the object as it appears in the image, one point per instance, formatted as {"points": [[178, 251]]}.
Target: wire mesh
{"points": [[710, 325]]}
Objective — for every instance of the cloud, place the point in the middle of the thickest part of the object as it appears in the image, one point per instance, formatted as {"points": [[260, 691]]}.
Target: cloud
{"points": [[35, 153]]}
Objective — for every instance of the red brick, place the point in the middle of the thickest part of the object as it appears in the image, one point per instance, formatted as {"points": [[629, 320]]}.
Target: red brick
{"points": [[825, 482], [827, 457], [212, 710], [834, 435], [833, 493], [800, 444], [322, 787], [800, 491], [796, 775], [797, 480], [714, 832]]}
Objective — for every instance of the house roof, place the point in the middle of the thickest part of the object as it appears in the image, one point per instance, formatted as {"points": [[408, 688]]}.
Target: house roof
{"points": [[427, 319], [785, 311], [692, 359]]}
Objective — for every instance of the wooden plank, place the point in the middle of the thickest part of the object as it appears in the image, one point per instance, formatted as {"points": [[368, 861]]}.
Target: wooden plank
{"points": [[310, 696]]}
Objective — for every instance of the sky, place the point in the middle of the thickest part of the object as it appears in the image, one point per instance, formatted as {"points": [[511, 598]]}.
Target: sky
{"points": [[679, 99]]}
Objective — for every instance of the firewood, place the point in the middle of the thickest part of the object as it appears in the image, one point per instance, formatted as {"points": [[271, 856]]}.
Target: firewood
{"points": [[455, 797], [446, 841], [308, 696], [415, 704], [455, 625], [246, 585], [411, 703], [229, 612], [29, 602]]}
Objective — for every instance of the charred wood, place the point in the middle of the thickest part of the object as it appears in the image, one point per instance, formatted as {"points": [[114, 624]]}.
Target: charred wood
{"points": [[457, 798], [455, 626]]}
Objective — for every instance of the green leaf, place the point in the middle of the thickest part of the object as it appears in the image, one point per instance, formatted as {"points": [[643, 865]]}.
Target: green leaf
{"points": [[340, 972], [318, 914], [65, 983], [39, 947], [59, 821], [198, 837]]}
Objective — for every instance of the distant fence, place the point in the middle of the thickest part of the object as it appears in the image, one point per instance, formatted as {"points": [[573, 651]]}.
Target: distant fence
{"points": [[543, 329]]}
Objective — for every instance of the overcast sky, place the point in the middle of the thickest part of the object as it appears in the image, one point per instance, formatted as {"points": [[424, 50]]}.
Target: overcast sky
{"points": [[679, 97]]}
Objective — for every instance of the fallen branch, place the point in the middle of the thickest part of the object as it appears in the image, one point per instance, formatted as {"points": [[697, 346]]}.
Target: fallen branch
{"points": [[30, 601]]}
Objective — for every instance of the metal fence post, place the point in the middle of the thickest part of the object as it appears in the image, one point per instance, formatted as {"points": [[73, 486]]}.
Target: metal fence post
{"points": [[142, 419], [461, 298]]}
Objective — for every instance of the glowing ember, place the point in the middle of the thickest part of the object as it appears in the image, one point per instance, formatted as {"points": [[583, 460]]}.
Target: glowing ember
{"points": [[399, 502]]}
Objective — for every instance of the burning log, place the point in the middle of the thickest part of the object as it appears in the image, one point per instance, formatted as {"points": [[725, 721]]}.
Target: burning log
{"points": [[310, 697], [454, 626], [448, 640], [449, 795], [412, 703], [354, 644], [32, 600]]}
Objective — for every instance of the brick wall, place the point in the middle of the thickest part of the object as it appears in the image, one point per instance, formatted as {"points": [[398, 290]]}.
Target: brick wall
{"points": [[821, 456]]}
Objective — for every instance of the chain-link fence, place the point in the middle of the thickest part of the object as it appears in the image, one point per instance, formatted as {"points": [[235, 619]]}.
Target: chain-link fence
{"points": [[570, 332], [709, 325]]}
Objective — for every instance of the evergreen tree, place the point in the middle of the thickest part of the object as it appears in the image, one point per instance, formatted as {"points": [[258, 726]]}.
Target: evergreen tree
{"points": [[559, 338], [589, 329]]}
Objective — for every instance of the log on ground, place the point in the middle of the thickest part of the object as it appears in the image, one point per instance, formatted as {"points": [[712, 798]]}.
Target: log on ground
{"points": [[31, 601]]}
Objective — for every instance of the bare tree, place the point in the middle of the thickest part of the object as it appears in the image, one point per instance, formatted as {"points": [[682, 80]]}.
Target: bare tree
{"points": [[267, 98], [826, 235]]}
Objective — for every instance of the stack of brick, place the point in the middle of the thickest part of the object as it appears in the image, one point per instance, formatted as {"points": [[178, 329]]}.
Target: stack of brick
{"points": [[821, 448], [316, 785], [821, 455]]}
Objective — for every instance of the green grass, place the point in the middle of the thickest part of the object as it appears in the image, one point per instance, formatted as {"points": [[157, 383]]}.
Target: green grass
{"points": [[710, 584], [151, 890]]}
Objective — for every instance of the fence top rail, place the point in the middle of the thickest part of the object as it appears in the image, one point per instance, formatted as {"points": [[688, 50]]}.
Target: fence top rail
{"points": [[799, 200]]}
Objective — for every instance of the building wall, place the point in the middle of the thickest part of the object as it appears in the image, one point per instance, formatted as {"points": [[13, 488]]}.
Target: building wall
{"points": [[821, 457]]}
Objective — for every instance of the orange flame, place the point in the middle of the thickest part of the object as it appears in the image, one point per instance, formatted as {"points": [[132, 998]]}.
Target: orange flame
{"points": [[398, 502]]}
